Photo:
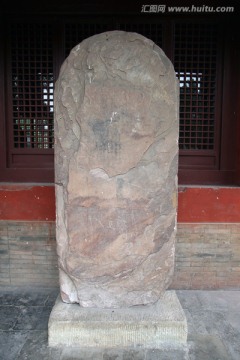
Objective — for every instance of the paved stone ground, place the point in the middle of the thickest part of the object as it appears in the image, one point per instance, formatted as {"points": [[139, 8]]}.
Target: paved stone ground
{"points": [[213, 321]]}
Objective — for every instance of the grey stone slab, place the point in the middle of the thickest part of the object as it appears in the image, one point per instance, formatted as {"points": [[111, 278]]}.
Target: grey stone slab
{"points": [[214, 300], [8, 317], [207, 347], [153, 326], [27, 296], [32, 318], [133, 354], [190, 322], [51, 298], [11, 343], [113, 354], [213, 334], [6, 299], [220, 301], [157, 354], [124, 354], [200, 320], [35, 346], [35, 299], [189, 299], [81, 354], [55, 354], [233, 318], [229, 335]]}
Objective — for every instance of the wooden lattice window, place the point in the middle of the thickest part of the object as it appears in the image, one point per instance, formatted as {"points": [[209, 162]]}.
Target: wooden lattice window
{"points": [[33, 50], [153, 31], [195, 60], [76, 33], [32, 86]]}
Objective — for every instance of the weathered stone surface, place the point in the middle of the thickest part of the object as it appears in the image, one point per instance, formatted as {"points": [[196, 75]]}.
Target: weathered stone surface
{"points": [[116, 123], [157, 326]]}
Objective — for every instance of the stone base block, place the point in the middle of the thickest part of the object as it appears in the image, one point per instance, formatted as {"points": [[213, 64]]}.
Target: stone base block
{"points": [[152, 327]]}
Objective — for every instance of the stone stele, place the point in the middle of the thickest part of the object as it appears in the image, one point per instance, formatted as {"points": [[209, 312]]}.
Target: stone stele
{"points": [[116, 156]]}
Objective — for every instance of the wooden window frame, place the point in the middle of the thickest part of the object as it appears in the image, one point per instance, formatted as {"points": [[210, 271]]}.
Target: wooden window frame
{"points": [[18, 165], [192, 169], [226, 168]]}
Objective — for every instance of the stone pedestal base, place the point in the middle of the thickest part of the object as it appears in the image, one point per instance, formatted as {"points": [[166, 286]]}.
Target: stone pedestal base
{"points": [[152, 327]]}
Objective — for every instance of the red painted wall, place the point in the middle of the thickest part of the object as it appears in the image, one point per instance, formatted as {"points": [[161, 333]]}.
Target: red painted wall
{"points": [[195, 204], [211, 204], [25, 202]]}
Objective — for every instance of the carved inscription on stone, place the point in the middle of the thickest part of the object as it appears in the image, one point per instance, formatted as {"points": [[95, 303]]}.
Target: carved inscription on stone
{"points": [[116, 155]]}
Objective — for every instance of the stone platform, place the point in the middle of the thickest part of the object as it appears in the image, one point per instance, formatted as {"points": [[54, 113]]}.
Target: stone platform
{"points": [[162, 325]]}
